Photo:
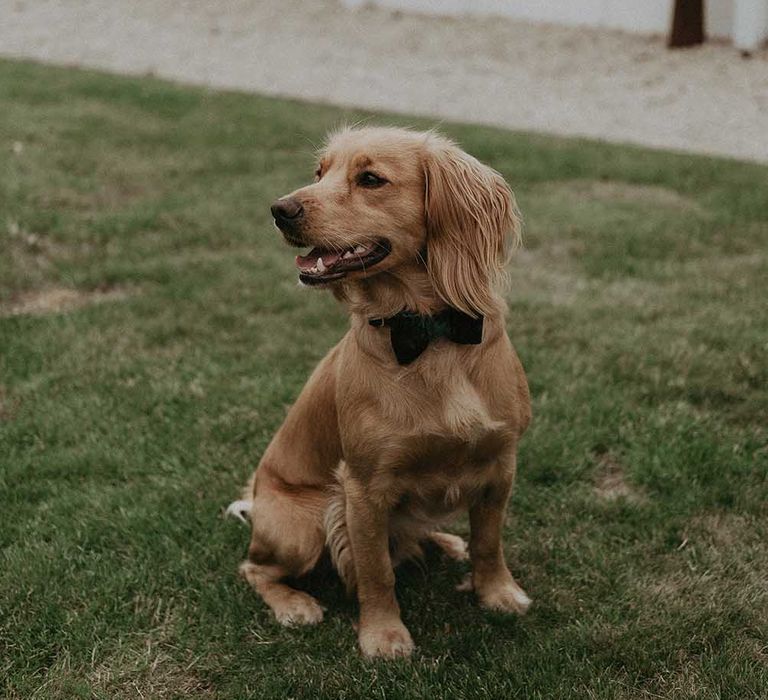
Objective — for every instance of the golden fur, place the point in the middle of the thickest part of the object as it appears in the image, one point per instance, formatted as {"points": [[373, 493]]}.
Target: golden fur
{"points": [[374, 457]]}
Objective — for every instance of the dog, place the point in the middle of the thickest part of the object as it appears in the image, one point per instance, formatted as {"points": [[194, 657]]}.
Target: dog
{"points": [[415, 416]]}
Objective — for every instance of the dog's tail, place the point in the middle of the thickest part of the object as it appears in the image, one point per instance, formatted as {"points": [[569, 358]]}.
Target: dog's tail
{"points": [[241, 509]]}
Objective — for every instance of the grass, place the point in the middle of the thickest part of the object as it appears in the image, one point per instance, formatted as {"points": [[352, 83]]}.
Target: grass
{"points": [[152, 335]]}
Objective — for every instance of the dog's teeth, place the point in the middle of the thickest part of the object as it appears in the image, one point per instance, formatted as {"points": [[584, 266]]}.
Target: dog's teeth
{"points": [[348, 254], [359, 249], [320, 265]]}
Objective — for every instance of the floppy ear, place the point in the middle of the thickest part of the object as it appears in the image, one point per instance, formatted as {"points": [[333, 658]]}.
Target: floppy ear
{"points": [[472, 225]]}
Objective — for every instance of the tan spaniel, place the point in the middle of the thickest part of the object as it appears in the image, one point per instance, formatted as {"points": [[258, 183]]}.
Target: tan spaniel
{"points": [[415, 416]]}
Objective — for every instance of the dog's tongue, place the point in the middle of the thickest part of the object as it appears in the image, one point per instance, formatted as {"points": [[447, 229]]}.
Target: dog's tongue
{"points": [[310, 261]]}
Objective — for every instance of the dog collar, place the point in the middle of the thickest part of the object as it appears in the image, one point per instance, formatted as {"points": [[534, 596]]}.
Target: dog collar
{"points": [[411, 333]]}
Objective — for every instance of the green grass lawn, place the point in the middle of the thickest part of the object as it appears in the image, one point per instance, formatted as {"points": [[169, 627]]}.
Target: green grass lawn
{"points": [[152, 335]]}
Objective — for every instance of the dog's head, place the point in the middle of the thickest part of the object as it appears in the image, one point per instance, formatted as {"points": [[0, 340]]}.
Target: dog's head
{"points": [[385, 198]]}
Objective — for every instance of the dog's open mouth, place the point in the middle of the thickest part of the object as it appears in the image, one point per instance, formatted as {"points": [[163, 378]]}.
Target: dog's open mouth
{"points": [[322, 265]]}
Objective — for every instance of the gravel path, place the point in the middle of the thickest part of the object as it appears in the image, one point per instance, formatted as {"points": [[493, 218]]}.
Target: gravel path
{"points": [[567, 81]]}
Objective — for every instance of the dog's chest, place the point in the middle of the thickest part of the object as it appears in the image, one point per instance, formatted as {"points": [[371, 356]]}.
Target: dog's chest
{"points": [[451, 408], [442, 438], [464, 413]]}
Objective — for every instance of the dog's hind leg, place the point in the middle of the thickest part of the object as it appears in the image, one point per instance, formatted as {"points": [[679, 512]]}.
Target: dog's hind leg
{"points": [[289, 495], [287, 540], [291, 607]]}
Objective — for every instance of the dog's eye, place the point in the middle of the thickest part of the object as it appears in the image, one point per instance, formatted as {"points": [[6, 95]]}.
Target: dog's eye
{"points": [[370, 180], [318, 174]]}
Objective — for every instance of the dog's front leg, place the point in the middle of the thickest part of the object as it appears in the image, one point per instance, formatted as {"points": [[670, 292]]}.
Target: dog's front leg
{"points": [[491, 579], [381, 632]]}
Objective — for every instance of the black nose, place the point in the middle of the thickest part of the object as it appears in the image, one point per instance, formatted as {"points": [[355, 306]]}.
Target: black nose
{"points": [[287, 209]]}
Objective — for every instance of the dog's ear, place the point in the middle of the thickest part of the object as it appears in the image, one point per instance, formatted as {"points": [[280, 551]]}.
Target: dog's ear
{"points": [[472, 224]]}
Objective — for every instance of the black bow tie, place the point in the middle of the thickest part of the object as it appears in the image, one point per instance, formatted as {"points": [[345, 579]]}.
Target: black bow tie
{"points": [[411, 333]]}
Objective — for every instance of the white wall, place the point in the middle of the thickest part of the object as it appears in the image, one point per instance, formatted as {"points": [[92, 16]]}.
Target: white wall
{"points": [[750, 23], [639, 16], [644, 16]]}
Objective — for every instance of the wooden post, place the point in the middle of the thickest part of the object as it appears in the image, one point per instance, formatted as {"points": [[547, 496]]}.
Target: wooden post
{"points": [[687, 24]]}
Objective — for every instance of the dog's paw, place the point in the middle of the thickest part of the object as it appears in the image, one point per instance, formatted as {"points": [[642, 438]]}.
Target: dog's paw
{"points": [[507, 597], [386, 641], [298, 608], [453, 546], [240, 510], [465, 585]]}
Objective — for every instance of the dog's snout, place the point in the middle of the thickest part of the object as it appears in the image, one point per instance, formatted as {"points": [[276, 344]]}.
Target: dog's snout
{"points": [[287, 209]]}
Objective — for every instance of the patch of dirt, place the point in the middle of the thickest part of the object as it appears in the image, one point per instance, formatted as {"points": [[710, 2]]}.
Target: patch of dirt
{"points": [[684, 681], [547, 273], [150, 663], [148, 672], [7, 406], [624, 192], [29, 254], [55, 300], [725, 531], [143, 666], [610, 482], [112, 195], [720, 557]]}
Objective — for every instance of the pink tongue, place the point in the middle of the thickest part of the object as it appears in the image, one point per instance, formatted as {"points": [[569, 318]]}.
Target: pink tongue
{"points": [[308, 261]]}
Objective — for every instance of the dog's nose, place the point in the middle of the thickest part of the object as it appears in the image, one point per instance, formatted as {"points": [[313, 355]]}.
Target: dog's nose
{"points": [[287, 209]]}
